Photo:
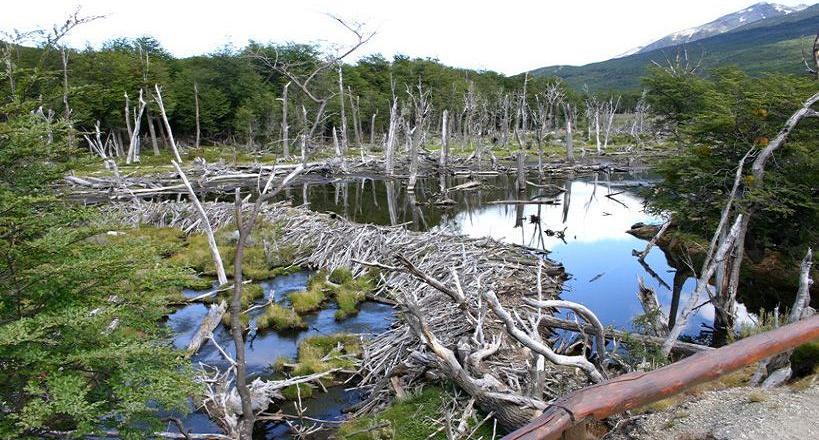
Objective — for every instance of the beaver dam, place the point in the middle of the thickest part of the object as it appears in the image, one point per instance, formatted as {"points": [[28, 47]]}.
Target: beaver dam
{"points": [[472, 291]]}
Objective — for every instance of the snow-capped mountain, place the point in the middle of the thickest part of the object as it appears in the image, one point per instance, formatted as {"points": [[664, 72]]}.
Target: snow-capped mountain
{"points": [[726, 23]]}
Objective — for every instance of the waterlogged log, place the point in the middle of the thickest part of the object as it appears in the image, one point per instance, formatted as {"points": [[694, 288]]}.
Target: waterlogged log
{"points": [[637, 389], [209, 323]]}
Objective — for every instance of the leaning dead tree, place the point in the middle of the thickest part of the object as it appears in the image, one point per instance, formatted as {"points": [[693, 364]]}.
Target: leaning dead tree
{"points": [[727, 247]]}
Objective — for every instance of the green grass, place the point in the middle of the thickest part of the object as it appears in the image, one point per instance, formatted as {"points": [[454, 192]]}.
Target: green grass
{"points": [[322, 353], [408, 419], [279, 318], [307, 300], [348, 300], [258, 263]]}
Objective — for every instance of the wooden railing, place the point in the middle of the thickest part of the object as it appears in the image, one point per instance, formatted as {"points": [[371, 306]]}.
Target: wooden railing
{"points": [[634, 390]]}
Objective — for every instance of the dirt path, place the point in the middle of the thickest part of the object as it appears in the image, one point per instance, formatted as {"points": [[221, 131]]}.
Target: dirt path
{"points": [[737, 413]]}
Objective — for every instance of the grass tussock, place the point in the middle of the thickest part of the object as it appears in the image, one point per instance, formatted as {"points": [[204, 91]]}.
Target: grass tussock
{"points": [[279, 318], [308, 300], [263, 258], [322, 353]]}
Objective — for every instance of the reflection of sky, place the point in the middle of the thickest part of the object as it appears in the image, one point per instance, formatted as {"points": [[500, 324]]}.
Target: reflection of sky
{"points": [[597, 251]]}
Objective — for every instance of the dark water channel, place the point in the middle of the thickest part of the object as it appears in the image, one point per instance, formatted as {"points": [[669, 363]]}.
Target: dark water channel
{"points": [[584, 229]]}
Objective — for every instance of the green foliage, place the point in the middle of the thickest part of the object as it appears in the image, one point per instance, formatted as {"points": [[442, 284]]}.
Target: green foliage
{"points": [[717, 121], [805, 359], [279, 318], [81, 345]]}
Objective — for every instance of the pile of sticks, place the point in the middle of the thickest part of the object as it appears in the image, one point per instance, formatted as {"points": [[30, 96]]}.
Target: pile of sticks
{"points": [[483, 299]]}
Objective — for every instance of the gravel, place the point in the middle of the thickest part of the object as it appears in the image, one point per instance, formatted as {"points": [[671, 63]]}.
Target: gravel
{"points": [[736, 413]]}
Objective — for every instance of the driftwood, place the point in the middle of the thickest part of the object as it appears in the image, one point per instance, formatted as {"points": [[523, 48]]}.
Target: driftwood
{"points": [[206, 327]]}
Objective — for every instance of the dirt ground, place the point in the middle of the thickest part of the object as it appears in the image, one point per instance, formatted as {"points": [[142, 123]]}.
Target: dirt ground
{"points": [[735, 413]]}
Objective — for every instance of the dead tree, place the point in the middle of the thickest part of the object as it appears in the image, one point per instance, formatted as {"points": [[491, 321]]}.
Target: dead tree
{"points": [[158, 99], [133, 149], [344, 142], [389, 147], [776, 370], [444, 154], [416, 135], [568, 115], [306, 82], [196, 102], [214, 249], [609, 110], [245, 227], [152, 131], [285, 127]]}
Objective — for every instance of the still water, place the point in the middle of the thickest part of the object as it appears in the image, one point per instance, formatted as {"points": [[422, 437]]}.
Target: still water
{"points": [[581, 222], [583, 228]]}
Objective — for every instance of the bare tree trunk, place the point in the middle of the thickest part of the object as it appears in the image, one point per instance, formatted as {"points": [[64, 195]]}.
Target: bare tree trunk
{"points": [[521, 182], [128, 119], [133, 149], [356, 120], [196, 101], [214, 250], [71, 137], [569, 141], [389, 148], [339, 153], [152, 131], [344, 143], [167, 124], [236, 329], [444, 158], [372, 129], [285, 127]]}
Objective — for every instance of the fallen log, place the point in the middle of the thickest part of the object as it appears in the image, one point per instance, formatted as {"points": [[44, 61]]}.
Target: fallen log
{"points": [[637, 389], [209, 323], [680, 347]]}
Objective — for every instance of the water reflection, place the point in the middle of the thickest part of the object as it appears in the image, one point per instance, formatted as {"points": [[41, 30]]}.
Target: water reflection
{"points": [[581, 221]]}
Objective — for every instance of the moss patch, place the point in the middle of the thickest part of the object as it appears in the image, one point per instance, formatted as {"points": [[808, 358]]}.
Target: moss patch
{"points": [[294, 391]]}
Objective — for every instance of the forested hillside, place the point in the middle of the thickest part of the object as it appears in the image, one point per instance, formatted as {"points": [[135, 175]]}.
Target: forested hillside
{"points": [[767, 46]]}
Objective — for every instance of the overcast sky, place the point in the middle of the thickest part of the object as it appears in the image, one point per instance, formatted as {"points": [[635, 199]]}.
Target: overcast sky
{"points": [[508, 36]]}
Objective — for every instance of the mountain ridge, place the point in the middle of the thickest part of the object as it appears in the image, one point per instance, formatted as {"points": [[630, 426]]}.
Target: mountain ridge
{"points": [[767, 45]]}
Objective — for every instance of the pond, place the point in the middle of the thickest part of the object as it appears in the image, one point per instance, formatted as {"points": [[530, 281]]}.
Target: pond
{"points": [[583, 227], [265, 347]]}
